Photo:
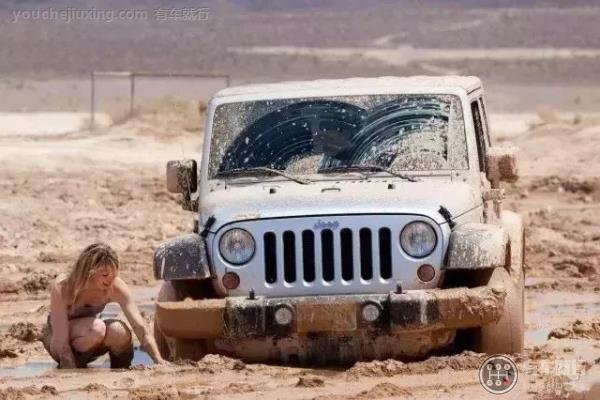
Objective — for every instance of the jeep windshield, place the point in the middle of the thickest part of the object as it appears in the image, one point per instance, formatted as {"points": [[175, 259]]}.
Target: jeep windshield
{"points": [[319, 138]]}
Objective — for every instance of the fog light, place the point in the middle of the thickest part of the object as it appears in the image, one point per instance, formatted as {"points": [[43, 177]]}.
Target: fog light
{"points": [[371, 312], [283, 315], [426, 272], [231, 280]]}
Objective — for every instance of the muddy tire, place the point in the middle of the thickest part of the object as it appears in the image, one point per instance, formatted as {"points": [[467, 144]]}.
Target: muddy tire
{"points": [[173, 349], [161, 342], [507, 335]]}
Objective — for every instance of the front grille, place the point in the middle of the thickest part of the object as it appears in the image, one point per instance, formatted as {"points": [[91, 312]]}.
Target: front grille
{"points": [[324, 255], [331, 256]]}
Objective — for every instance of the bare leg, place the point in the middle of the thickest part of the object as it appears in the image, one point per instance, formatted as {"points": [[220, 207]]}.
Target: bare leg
{"points": [[119, 343], [86, 338], [86, 334]]}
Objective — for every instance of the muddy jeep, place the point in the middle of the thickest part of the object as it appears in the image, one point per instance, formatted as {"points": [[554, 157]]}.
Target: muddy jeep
{"points": [[344, 220]]}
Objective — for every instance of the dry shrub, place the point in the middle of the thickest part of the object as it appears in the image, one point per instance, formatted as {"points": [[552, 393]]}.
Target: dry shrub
{"points": [[168, 115], [183, 114], [548, 115]]}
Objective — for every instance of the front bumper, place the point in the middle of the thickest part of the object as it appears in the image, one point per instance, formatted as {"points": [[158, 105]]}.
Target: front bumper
{"points": [[411, 311]]}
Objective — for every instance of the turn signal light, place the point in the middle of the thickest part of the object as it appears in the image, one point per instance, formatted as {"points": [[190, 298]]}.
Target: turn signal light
{"points": [[231, 280], [426, 273]]}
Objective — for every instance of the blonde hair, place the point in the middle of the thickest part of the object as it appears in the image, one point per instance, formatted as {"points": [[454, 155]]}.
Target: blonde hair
{"points": [[92, 258]]}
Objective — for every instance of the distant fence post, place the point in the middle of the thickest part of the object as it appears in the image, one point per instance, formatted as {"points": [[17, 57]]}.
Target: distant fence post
{"points": [[93, 100], [131, 94]]}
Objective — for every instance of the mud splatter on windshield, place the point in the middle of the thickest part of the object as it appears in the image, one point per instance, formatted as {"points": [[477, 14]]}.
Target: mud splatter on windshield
{"points": [[311, 135]]}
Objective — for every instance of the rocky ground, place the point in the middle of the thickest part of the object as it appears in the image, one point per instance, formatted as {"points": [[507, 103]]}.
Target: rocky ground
{"points": [[60, 193]]}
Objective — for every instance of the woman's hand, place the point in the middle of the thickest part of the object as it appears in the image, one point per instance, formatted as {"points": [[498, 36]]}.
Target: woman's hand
{"points": [[149, 346], [161, 361], [122, 295], [66, 359]]}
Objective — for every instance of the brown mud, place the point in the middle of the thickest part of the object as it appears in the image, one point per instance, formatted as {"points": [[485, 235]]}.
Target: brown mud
{"points": [[109, 186]]}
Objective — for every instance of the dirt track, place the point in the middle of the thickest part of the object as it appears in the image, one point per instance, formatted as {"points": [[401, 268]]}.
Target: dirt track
{"points": [[61, 192]]}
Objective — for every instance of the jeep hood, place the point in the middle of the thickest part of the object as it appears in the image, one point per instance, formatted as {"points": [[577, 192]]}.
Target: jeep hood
{"points": [[290, 199]]}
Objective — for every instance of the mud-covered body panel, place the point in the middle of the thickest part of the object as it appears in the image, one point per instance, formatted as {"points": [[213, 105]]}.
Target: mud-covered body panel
{"points": [[382, 195], [477, 246], [183, 257], [411, 311]]}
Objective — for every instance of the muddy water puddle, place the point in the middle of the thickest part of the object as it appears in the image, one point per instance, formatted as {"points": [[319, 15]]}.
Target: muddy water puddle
{"points": [[546, 311], [39, 368], [28, 370]]}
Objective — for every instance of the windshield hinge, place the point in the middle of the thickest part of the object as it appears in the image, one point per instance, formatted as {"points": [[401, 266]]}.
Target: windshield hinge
{"points": [[209, 223], [447, 216]]}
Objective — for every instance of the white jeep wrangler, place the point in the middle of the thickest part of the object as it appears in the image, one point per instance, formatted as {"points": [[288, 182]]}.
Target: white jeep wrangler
{"points": [[344, 220]]}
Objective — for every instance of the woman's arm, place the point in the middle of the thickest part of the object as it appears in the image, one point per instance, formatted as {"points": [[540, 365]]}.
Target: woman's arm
{"points": [[122, 295], [59, 320]]}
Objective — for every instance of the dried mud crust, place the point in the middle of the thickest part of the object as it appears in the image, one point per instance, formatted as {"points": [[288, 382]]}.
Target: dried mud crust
{"points": [[310, 381], [25, 331], [94, 387], [232, 388], [52, 218], [21, 339], [379, 391], [571, 184], [211, 364], [214, 363], [562, 230], [578, 330], [10, 393], [154, 393], [463, 361], [33, 283]]}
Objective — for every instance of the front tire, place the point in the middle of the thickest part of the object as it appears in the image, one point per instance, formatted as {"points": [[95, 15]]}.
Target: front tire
{"points": [[173, 349], [507, 335]]}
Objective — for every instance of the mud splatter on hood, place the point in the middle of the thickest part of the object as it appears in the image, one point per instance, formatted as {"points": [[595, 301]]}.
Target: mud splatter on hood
{"points": [[289, 199]]}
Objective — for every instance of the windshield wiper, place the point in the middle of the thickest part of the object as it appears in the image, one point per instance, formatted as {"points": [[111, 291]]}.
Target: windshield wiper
{"points": [[244, 171], [368, 168]]}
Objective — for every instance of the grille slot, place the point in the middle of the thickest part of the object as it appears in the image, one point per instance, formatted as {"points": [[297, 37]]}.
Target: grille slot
{"points": [[270, 257], [289, 256], [347, 257], [308, 255], [366, 254], [327, 255], [385, 253]]}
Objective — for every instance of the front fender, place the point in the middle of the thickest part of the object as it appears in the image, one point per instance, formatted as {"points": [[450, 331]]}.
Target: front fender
{"points": [[182, 258], [477, 246]]}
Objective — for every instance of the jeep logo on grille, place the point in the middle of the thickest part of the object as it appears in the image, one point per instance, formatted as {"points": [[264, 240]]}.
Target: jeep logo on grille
{"points": [[326, 225]]}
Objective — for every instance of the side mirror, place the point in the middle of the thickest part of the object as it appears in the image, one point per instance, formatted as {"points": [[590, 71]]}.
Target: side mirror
{"points": [[182, 177], [501, 165]]}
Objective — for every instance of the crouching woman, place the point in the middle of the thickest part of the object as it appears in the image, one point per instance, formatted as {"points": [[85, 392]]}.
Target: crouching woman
{"points": [[74, 334]]}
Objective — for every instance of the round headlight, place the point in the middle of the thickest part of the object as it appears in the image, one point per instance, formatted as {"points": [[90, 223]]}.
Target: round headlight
{"points": [[237, 246], [418, 239]]}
